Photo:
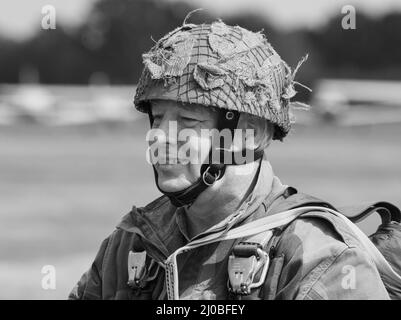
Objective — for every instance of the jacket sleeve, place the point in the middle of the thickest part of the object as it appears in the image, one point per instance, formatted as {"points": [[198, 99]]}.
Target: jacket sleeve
{"points": [[89, 287]]}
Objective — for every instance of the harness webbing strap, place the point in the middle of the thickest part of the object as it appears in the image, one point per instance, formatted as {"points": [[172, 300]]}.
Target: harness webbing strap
{"points": [[261, 238]]}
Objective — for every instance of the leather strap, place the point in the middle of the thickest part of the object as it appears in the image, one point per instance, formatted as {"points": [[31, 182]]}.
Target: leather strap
{"points": [[387, 211]]}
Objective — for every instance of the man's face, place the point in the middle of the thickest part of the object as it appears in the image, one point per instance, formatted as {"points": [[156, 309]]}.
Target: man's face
{"points": [[167, 116]]}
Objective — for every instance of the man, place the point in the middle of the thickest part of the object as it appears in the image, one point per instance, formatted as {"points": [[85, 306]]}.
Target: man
{"points": [[183, 244]]}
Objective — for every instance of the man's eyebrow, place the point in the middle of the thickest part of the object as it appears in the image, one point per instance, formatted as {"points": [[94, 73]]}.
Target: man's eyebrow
{"points": [[198, 108], [188, 108]]}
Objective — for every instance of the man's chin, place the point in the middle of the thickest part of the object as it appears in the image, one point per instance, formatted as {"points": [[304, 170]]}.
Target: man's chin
{"points": [[171, 177], [167, 168], [171, 186]]}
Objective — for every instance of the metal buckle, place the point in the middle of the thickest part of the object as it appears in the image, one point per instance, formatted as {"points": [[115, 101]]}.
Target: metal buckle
{"points": [[242, 271], [216, 177], [136, 268], [138, 276]]}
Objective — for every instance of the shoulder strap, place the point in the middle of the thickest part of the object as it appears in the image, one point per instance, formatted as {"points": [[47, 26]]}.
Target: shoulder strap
{"points": [[356, 213]]}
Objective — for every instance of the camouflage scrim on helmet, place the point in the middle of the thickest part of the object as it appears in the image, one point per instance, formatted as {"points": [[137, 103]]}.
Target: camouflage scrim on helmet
{"points": [[221, 66]]}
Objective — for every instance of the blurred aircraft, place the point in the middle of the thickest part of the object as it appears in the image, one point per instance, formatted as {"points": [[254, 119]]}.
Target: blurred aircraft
{"points": [[66, 104], [30, 102], [357, 102]]}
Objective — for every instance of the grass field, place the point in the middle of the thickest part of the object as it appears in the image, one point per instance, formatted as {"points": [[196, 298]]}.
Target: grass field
{"points": [[62, 190]]}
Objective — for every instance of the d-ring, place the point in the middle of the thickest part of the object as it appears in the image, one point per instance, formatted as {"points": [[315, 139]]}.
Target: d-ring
{"points": [[216, 177], [229, 115]]}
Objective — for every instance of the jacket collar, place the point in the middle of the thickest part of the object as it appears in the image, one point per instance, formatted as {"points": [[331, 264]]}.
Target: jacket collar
{"points": [[266, 189]]}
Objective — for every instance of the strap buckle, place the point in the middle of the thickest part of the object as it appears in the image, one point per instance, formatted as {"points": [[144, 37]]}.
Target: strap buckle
{"points": [[207, 177], [243, 266]]}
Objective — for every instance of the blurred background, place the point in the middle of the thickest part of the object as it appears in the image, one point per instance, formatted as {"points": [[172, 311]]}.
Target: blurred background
{"points": [[72, 147]]}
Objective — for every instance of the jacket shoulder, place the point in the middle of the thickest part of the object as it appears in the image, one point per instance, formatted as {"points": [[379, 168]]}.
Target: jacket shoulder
{"points": [[162, 201], [157, 207], [318, 255], [310, 240]]}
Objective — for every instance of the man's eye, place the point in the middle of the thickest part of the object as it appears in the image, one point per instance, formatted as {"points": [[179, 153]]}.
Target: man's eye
{"points": [[189, 119], [157, 117], [156, 120]]}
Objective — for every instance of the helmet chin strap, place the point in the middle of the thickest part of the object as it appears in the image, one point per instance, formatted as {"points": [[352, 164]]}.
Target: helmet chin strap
{"points": [[209, 172]]}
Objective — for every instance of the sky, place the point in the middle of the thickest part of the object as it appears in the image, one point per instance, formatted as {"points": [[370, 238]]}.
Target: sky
{"points": [[19, 19]]}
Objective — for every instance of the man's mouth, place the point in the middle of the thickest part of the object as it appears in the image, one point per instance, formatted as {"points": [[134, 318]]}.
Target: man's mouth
{"points": [[167, 160], [169, 168], [167, 165]]}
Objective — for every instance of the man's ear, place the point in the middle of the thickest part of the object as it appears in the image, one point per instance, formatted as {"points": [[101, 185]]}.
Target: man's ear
{"points": [[260, 131], [248, 132], [263, 131], [269, 134], [251, 138]]}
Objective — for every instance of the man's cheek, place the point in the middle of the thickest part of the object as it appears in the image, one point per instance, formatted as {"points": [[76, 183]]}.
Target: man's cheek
{"points": [[193, 148]]}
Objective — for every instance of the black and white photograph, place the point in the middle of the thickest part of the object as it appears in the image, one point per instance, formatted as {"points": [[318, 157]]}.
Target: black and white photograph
{"points": [[200, 150]]}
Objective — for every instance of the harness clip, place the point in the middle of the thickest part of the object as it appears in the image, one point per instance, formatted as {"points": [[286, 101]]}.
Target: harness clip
{"points": [[243, 265]]}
